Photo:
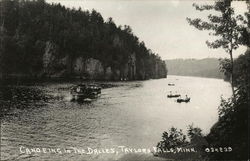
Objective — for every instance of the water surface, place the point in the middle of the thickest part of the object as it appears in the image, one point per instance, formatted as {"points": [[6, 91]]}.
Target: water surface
{"points": [[133, 114]]}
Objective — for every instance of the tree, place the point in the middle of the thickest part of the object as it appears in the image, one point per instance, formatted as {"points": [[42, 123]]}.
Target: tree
{"points": [[226, 26], [73, 33], [246, 30], [172, 139], [233, 123]]}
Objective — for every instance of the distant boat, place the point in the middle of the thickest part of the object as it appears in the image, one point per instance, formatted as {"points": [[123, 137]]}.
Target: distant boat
{"points": [[173, 95], [171, 84], [186, 100]]}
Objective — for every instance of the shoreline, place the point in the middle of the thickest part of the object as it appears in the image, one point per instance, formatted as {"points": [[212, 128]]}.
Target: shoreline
{"points": [[196, 77]]}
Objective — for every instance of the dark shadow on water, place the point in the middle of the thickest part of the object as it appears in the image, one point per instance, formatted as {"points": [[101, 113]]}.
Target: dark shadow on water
{"points": [[21, 97], [83, 102]]}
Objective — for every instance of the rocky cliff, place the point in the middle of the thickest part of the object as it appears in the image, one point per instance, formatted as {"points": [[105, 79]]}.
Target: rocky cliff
{"points": [[55, 66], [55, 41]]}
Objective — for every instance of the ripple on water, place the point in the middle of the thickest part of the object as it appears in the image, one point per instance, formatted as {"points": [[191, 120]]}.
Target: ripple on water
{"points": [[133, 114]]}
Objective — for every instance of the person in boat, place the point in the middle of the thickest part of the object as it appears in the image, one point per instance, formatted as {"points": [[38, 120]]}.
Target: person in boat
{"points": [[78, 89], [187, 98]]}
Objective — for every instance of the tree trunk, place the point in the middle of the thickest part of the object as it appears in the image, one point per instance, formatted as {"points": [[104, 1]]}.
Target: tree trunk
{"points": [[232, 74], [231, 54]]}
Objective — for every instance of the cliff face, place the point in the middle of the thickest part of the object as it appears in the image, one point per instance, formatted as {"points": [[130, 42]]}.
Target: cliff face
{"points": [[80, 67], [89, 68], [71, 44], [56, 66], [49, 57]]}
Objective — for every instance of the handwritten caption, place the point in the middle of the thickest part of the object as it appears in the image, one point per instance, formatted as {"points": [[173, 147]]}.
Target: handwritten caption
{"points": [[116, 150]]}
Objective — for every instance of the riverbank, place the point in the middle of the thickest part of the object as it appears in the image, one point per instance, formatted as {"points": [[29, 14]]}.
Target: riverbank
{"points": [[173, 75]]}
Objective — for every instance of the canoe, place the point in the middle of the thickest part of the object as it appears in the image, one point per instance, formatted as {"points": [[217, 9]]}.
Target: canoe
{"points": [[180, 100], [173, 95]]}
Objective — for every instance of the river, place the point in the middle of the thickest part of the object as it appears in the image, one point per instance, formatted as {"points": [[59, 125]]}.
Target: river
{"points": [[131, 114]]}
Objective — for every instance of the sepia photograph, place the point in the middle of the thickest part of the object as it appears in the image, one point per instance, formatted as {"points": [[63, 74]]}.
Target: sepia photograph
{"points": [[124, 80]]}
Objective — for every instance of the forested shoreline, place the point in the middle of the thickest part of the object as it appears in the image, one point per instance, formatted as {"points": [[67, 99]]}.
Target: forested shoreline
{"points": [[42, 40], [207, 67]]}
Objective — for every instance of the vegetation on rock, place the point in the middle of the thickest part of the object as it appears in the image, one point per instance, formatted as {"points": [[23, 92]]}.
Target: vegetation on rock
{"points": [[32, 29]]}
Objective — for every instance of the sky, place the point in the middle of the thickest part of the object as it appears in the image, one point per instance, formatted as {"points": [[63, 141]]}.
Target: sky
{"points": [[161, 24]]}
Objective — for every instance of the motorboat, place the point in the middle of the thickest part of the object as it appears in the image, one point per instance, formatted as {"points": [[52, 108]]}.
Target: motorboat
{"points": [[85, 91]]}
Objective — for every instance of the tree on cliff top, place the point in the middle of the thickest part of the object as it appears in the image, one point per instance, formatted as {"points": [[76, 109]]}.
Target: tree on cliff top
{"points": [[30, 25], [226, 26]]}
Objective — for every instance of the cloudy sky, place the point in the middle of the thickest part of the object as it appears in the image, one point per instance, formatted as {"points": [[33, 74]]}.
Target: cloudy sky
{"points": [[161, 24]]}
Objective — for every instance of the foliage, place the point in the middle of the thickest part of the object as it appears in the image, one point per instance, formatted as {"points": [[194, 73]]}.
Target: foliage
{"points": [[194, 132], [176, 138], [246, 30], [29, 25], [231, 130], [226, 26], [226, 67], [232, 127], [172, 139]]}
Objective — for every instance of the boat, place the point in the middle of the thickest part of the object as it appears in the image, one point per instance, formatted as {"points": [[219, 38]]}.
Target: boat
{"points": [[170, 95], [186, 100], [85, 91], [171, 84], [173, 95], [88, 100]]}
